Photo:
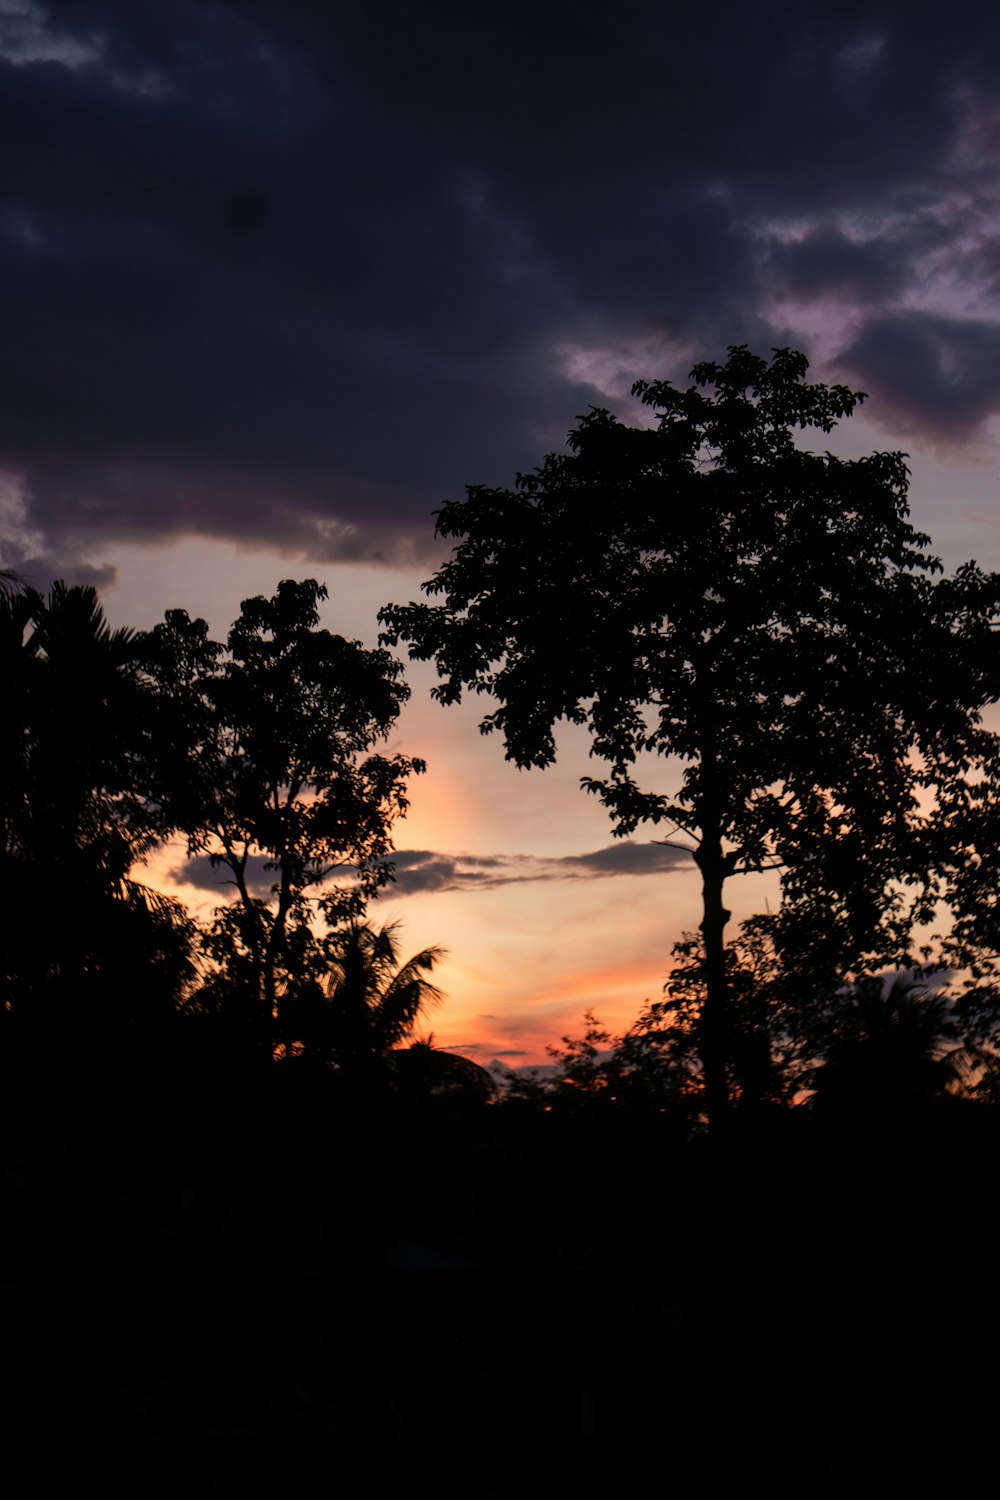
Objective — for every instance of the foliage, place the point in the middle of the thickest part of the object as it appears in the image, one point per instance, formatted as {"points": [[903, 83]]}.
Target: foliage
{"points": [[370, 1001], [11, 581], [75, 818], [707, 590], [433, 1073], [870, 1047], [894, 1042], [768, 1047], [264, 752], [656, 1064], [647, 1070], [74, 718]]}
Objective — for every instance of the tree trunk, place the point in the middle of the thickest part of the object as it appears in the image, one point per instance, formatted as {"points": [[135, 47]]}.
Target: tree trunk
{"points": [[714, 1014], [272, 952], [277, 1019], [263, 996], [714, 865]]}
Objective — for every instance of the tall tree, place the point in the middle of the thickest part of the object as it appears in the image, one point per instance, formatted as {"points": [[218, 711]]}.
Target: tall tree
{"points": [[706, 589], [75, 818], [264, 751]]}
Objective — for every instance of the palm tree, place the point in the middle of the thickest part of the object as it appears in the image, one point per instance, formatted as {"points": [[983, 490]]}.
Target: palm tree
{"points": [[84, 736], [370, 1002], [73, 818], [427, 1069], [897, 1045]]}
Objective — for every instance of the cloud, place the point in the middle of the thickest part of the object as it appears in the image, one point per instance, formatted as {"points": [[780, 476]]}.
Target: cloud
{"points": [[26, 37], [825, 261], [204, 876], [526, 1072], [293, 275], [935, 373], [420, 870], [628, 858]]}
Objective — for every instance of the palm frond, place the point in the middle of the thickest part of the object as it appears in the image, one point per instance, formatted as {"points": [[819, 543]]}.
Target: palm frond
{"points": [[11, 581], [376, 1000], [134, 893]]}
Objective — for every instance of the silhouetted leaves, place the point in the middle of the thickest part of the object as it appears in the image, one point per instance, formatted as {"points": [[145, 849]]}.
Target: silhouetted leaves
{"points": [[365, 1002], [706, 589], [75, 812], [266, 750]]}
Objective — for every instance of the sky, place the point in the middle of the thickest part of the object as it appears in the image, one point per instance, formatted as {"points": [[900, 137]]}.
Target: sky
{"points": [[278, 278]]}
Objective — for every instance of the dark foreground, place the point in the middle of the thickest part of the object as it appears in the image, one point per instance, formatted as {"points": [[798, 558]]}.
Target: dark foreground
{"points": [[271, 1286]]}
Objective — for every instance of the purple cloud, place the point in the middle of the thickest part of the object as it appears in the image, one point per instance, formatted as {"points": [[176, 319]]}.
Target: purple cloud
{"points": [[295, 275]]}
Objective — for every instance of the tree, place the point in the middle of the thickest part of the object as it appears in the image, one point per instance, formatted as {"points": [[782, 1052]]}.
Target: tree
{"points": [[706, 589], [429, 1071], [262, 754], [75, 819], [72, 731], [768, 1042], [895, 1044], [370, 1001], [354, 1005]]}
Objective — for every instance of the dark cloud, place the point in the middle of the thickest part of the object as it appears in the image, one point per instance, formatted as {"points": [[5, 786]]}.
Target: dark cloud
{"points": [[627, 858], [934, 372], [201, 873], [297, 273], [46, 567], [420, 870], [826, 261]]}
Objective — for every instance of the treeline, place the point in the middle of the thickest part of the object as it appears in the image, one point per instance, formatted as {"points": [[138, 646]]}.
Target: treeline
{"points": [[875, 1053], [261, 752], [702, 588]]}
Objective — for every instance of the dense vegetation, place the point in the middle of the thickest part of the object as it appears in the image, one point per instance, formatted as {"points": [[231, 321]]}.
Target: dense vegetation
{"points": [[259, 1239]]}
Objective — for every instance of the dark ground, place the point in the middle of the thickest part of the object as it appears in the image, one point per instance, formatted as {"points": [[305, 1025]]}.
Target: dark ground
{"points": [[265, 1286]]}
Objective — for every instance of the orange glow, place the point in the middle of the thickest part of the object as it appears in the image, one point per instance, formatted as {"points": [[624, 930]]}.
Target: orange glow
{"points": [[527, 953]]}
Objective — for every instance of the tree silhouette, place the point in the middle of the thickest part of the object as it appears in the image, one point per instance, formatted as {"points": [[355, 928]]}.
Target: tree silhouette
{"points": [[768, 1045], [707, 590], [370, 1002], [430, 1071], [895, 1043], [262, 749], [75, 818]]}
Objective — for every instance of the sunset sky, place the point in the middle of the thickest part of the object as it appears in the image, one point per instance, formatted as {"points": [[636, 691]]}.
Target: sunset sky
{"points": [[277, 278]]}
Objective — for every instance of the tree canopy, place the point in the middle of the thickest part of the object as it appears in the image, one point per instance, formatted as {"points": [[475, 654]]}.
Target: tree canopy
{"points": [[75, 815], [707, 589], [265, 751]]}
